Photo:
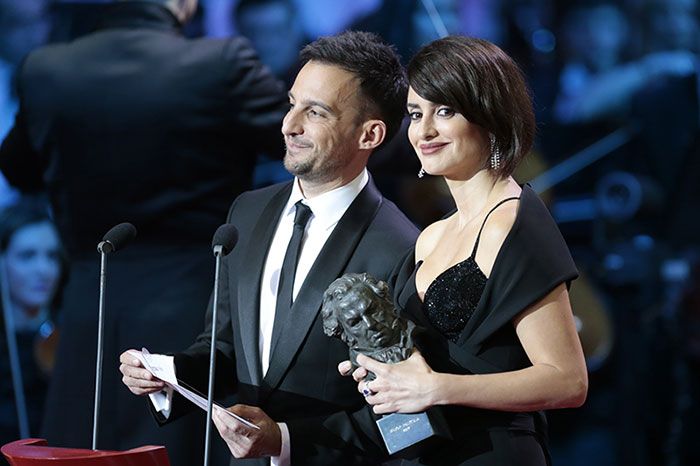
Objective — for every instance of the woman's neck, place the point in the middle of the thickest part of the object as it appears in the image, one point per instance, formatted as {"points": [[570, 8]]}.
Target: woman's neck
{"points": [[474, 195]]}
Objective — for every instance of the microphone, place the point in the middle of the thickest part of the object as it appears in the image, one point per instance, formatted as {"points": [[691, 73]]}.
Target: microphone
{"points": [[224, 240], [116, 238]]}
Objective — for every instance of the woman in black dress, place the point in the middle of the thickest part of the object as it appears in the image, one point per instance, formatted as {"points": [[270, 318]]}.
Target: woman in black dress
{"points": [[489, 283]]}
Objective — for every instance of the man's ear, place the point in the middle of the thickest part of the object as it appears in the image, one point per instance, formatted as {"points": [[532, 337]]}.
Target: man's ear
{"points": [[373, 134]]}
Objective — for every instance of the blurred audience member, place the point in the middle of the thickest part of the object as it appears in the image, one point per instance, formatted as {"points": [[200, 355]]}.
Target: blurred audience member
{"points": [[31, 267], [23, 26], [408, 24], [274, 29], [597, 80], [594, 38], [134, 122], [618, 75], [672, 25], [667, 109], [321, 18]]}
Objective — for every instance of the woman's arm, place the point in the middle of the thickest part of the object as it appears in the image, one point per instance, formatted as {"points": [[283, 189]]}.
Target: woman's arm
{"points": [[556, 379]]}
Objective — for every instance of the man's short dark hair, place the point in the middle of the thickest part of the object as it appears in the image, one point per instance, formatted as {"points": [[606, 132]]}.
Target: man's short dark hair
{"points": [[382, 78]]}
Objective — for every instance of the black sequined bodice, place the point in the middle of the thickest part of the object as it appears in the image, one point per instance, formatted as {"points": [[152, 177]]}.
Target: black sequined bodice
{"points": [[452, 297]]}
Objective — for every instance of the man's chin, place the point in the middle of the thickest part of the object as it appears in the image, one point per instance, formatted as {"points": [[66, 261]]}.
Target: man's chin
{"points": [[296, 167]]}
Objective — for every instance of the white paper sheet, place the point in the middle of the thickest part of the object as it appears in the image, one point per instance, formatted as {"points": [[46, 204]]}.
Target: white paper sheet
{"points": [[163, 368]]}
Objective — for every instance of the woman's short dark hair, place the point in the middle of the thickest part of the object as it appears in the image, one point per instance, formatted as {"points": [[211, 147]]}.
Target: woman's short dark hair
{"points": [[382, 78], [485, 85]]}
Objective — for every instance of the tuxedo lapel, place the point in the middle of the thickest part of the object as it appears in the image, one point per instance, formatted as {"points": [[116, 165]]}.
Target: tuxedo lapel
{"points": [[329, 264], [250, 275]]}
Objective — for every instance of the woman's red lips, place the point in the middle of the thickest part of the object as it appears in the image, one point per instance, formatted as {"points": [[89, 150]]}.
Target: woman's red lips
{"points": [[431, 148]]}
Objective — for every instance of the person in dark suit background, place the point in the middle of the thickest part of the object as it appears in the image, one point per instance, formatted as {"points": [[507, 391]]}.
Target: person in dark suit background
{"points": [[345, 102], [134, 122]]}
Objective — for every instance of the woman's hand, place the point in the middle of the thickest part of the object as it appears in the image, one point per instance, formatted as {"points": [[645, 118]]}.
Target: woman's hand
{"points": [[409, 386], [345, 368]]}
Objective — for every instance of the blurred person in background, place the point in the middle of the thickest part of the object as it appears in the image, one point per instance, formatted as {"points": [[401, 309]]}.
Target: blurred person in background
{"points": [[135, 122], [667, 152], [31, 268], [23, 26], [408, 24], [636, 70], [274, 30], [599, 80]]}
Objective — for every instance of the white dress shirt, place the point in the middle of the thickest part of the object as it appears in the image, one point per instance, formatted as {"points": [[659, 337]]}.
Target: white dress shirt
{"points": [[326, 210]]}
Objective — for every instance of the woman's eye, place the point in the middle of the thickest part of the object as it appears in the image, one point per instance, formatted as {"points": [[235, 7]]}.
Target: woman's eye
{"points": [[445, 112], [26, 255], [414, 115]]}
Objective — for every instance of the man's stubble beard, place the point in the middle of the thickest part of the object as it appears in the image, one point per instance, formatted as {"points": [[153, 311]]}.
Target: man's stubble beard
{"points": [[298, 168], [307, 170]]}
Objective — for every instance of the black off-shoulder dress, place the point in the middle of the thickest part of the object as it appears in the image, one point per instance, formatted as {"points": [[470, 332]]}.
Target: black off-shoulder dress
{"points": [[466, 321]]}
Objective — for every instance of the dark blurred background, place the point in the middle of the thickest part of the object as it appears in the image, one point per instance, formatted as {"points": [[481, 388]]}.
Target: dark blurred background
{"points": [[615, 86]]}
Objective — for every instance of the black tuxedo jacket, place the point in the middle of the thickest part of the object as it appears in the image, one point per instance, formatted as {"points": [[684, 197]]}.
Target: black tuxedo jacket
{"points": [[327, 418]]}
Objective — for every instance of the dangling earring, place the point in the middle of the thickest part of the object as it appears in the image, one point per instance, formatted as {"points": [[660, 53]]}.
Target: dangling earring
{"points": [[495, 153], [421, 173]]}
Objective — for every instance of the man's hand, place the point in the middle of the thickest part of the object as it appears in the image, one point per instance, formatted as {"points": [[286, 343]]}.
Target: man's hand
{"points": [[243, 441], [135, 377]]}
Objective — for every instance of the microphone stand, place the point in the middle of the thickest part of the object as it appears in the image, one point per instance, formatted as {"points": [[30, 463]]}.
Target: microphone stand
{"points": [[13, 352], [218, 253], [100, 344]]}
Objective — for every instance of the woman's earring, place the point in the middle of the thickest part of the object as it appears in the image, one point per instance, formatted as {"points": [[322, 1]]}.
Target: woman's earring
{"points": [[421, 173], [495, 153]]}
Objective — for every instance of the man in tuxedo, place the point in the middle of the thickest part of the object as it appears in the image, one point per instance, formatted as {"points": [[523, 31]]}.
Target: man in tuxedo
{"points": [[135, 122], [347, 99]]}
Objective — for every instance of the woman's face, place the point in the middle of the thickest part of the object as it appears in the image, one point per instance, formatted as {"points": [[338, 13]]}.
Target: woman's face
{"points": [[446, 143], [33, 265]]}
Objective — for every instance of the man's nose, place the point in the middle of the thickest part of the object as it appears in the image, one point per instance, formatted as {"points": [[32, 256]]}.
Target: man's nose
{"points": [[291, 125]]}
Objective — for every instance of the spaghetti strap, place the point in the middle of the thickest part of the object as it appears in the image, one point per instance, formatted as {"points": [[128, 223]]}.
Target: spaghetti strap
{"points": [[476, 243]]}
